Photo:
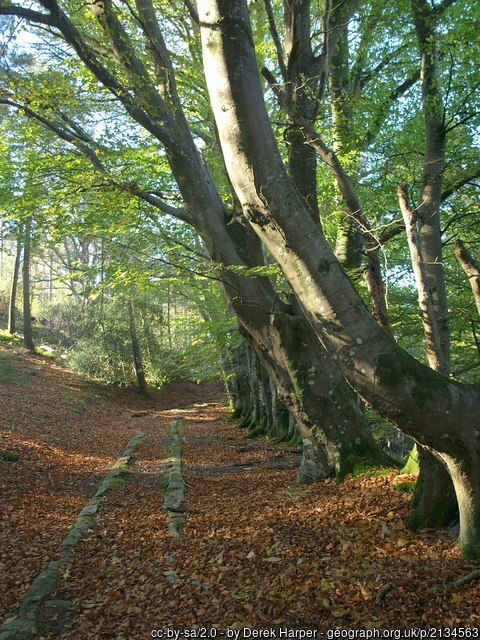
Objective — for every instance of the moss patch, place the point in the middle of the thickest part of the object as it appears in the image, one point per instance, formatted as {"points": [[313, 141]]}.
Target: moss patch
{"points": [[364, 469], [405, 487], [257, 429], [9, 456]]}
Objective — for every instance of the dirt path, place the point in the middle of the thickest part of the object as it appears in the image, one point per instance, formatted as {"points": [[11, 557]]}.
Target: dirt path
{"points": [[256, 552]]}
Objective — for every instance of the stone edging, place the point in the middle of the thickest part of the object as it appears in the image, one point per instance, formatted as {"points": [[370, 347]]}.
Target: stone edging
{"points": [[175, 492], [24, 625]]}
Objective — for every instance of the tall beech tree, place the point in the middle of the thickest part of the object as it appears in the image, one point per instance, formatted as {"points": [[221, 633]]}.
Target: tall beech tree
{"points": [[12, 301], [434, 499], [27, 308]]}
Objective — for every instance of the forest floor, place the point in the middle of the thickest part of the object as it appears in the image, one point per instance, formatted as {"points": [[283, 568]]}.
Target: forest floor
{"points": [[257, 550]]}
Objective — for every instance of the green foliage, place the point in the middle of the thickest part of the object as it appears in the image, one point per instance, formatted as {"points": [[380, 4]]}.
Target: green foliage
{"points": [[411, 463], [103, 243], [365, 470], [176, 342], [9, 338]]}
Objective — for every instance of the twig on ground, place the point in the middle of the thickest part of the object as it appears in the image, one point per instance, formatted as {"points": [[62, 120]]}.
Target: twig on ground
{"points": [[385, 511], [456, 584], [382, 594]]}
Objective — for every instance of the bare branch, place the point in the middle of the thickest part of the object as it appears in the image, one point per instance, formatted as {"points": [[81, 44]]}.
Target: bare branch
{"points": [[458, 184], [275, 87], [395, 229], [192, 11]]}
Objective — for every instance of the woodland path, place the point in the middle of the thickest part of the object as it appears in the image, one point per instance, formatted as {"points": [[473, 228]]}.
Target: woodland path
{"points": [[257, 551]]}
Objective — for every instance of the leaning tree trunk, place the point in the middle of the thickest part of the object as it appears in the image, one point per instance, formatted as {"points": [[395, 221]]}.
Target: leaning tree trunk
{"points": [[27, 310], [437, 412], [302, 91], [334, 431], [11, 327]]}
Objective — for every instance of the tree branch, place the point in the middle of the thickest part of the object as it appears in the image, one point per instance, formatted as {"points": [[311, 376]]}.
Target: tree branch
{"points": [[192, 11], [425, 300], [162, 127], [471, 268], [28, 14], [458, 184], [158, 50], [395, 229], [351, 199]]}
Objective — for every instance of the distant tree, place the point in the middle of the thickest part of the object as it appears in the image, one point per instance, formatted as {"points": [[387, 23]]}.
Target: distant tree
{"points": [[11, 326], [27, 309]]}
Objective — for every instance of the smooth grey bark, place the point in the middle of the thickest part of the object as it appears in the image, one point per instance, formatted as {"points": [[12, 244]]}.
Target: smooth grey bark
{"points": [[27, 310], [334, 433], [280, 415], [354, 235], [307, 380], [239, 384], [353, 220], [434, 502], [438, 413], [301, 79], [435, 356], [253, 300], [11, 326], [430, 194]]}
